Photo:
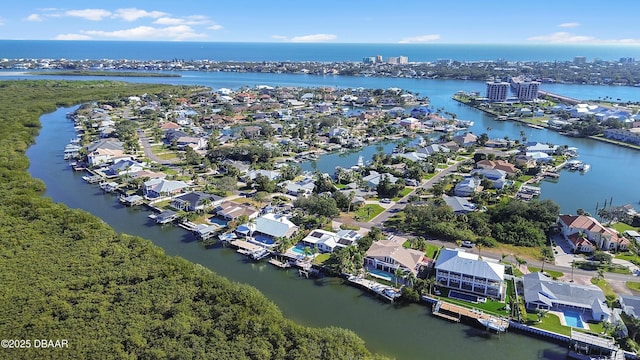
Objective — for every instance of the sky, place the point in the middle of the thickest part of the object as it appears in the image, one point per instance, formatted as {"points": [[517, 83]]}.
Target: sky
{"points": [[335, 21]]}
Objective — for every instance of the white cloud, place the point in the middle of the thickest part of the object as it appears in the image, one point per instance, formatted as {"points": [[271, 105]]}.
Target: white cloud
{"points": [[179, 32], [72, 37], [133, 14], [279, 37], [169, 21], [569, 38], [313, 38], [89, 14], [569, 25], [420, 39], [215, 27], [34, 17]]}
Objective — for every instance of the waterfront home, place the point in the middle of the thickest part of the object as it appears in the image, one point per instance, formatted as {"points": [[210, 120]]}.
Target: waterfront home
{"points": [[539, 157], [412, 156], [497, 177], [410, 123], [541, 292], [467, 187], [269, 225], [125, 166], [503, 165], [460, 270], [269, 174], [195, 201], [324, 241], [586, 234], [459, 205], [534, 146], [388, 255], [104, 151], [161, 187], [465, 140], [231, 210], [631, 136]]}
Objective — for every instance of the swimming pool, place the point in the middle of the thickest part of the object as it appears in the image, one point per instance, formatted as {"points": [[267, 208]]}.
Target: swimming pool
{"points": [[572, 318], [265, 240], [298, 249], [463, 296], [218, 221], [381, 274]]}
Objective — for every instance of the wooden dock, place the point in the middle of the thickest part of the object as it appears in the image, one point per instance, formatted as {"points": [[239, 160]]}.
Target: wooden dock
{"points": [[384, 291], [280, 264]]}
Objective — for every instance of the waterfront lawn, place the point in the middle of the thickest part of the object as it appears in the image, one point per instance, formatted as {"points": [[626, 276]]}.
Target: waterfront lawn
{"points": [[550, 322], [321, 258], [368, 212], [490, 307], [622, 227], [553, 274], [606, 288]]}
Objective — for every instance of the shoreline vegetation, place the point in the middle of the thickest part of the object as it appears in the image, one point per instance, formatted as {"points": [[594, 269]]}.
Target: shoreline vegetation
{"points": [[114, 295], [106, 73]]}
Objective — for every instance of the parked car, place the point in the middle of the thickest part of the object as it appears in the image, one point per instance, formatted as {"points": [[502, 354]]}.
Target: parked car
{"points": [[385, 201], [467, 244]]}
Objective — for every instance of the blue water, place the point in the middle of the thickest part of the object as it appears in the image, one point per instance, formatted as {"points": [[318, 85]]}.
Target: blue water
{"points": [[220, 51], [572, 318]]}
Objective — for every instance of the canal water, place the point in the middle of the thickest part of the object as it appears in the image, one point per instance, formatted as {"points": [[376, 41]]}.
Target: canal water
{"points": [[405, 332]]}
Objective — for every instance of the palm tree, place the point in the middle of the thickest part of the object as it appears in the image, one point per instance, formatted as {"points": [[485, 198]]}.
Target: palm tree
{"points": [[410, 277], [479, 247], [573, 266], [431, 282], [397, 273]]}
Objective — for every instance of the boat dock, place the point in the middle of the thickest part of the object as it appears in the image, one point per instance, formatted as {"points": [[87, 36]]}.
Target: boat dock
{"points": [[280, 264], [386, 292], [455, 313], [256, 252]]}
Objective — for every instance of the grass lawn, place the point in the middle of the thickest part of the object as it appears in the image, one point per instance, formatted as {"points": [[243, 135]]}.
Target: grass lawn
{"points": [[606, 288], [524, 178], [491, 306], [402, 194], [633, 285], [369, 211], [553, 274], [166, 156], [551, 322], [340, 186], [622, 227], [429, 176], [442, 166], [321, 258], [432, 250]]}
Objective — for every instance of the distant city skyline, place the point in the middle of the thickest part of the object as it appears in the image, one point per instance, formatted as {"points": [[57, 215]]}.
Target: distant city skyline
{"points": [[329, 21]]}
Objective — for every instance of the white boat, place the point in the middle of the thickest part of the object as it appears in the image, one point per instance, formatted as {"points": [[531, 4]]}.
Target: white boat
{"points": [[493, 324]]}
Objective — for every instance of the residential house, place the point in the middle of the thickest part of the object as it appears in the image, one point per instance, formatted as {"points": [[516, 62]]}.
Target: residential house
{"points": [[434, 149], [252, 131], [303, 187], [459, 205], [122, 167], [270, 225], [195, 201], [534, 146], [465, 140], [460, 270], [410, 123], [413, 156], [630, 305], [497, 177], [242, 167], [231, 210], [104, 151], [503, 165], [467, 187], [269, 174], [388, 255], [587, 234], [324, 241], [160, 187], [541, 292], [348, 238], [373, 179]]}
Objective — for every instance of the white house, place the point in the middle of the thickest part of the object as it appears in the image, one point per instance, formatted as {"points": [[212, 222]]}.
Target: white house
{"points": [[270, 225], [325, 241], [161, 187], [541, 292], [457, 269], [466, 187]]}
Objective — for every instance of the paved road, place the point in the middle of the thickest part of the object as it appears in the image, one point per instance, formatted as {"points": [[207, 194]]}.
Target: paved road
{"points": [[146, 146]]}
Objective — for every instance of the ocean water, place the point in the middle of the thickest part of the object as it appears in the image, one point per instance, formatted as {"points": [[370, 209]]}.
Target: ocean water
{"points": [[323, 52]]}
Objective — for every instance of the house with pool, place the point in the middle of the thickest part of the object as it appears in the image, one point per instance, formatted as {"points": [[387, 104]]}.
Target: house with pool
{"points": [[577, 303], [465, 272], [266, 228]]}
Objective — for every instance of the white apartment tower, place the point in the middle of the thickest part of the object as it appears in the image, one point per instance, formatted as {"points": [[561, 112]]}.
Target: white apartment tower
{"points": [[497, 91]]}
